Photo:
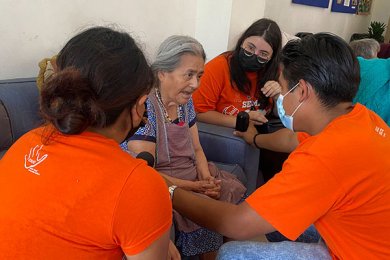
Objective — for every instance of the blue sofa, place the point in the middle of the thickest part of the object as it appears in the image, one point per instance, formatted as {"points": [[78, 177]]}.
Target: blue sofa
{"points": [[19, 113], [19, 110]]}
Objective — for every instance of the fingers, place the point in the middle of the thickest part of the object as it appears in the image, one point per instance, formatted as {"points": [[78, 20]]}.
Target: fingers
{"points": [[215, 188], [271, 88], [205, 185], [238, 133], [257, 123], [217, 182], [213, 194], [248, 135], [209, 178], [257, 117]]}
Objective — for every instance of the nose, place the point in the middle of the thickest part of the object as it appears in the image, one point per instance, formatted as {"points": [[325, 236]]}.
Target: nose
{"points": [[195, 82]]}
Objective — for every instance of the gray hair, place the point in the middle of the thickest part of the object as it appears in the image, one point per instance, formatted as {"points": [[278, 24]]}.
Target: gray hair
{"points": [[366, 48], [171, 50]]}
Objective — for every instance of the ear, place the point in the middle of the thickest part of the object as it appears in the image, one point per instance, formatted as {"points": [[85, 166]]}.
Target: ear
{"points": [[305, 90], [161, 75], [138, 108], [141, 101]]}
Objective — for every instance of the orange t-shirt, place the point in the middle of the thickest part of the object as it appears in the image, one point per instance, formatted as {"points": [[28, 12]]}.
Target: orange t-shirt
{"points": [[79, 197], [340, 181], [216, 93]]}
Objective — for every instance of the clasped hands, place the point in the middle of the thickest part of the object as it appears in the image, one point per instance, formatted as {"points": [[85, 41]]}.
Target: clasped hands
{"points": [[209, 186]]}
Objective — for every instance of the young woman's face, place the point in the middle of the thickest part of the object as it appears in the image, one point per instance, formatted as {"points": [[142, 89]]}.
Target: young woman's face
{"points": [[177, 86], [258, 46]]}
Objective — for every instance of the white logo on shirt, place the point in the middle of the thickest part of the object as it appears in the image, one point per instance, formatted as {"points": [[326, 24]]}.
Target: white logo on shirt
{"points": [[380, 131], [33, 159], [230, 110], [250, 104]]}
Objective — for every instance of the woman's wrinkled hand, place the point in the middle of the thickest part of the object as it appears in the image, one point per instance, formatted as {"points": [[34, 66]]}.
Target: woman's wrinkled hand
{"points": [[210, 187], [201, 186], [214, 193]]}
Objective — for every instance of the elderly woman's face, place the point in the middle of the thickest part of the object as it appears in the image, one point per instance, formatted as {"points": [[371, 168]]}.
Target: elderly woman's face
{"points": [[177, 86]]}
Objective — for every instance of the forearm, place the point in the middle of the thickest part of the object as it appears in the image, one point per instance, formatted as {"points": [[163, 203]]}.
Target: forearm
{"points": [[239, 222], [216, 218], [283, 140], [184, 184], [216, 118], [202, 167]]}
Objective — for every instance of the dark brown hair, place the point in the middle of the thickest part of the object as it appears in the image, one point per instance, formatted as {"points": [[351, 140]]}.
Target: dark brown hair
{"points": [[271, 33], [101, 72]]}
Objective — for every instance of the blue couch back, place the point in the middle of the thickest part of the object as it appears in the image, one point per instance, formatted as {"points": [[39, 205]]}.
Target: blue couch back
{"points": [[19, 110]]}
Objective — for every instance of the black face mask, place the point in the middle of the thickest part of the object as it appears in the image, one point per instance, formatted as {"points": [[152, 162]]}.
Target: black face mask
{"points": [[141, 124], [131, 133], [249, 63]]}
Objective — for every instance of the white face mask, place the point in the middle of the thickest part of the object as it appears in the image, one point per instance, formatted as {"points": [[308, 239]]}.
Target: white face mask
{"points": [[287, 120]]}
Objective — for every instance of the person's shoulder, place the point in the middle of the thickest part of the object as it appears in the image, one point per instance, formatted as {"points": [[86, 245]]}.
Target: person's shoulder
{"points": [[34, 135], [219, 61], [349, 129], [369, 117], [145, 178], [373, 62], [360, 113]]}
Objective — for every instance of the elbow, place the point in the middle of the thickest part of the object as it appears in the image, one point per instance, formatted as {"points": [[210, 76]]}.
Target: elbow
{"points": [[238, 233], [234, 227]]}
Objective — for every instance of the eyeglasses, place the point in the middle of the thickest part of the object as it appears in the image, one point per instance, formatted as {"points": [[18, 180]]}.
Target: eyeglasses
{"points": [[261, 58]]}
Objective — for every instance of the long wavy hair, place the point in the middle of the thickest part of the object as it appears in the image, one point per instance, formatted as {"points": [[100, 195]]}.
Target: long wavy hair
{"points": [[270, 32]]}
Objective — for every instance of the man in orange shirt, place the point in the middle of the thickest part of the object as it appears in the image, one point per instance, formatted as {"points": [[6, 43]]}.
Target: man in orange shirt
{"points": [[337, 176]]}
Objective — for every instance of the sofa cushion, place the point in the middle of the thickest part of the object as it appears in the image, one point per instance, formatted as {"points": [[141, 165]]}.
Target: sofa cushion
{"points": [[222, 147], [234, 169], [5, 129]]}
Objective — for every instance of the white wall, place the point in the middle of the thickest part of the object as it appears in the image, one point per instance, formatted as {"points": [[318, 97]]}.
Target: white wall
{"points": [[380, 11], [32, 30], [212, 25], [294, 18], [244, 13]]}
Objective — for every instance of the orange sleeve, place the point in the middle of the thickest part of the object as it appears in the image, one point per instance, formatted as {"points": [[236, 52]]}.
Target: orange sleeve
{"points": [[297, 196], [143, 212], [211, 85]]}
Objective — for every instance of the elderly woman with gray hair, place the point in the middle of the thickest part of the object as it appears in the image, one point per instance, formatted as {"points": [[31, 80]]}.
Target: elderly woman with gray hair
{"points": [[171, 135], [366, 48]]}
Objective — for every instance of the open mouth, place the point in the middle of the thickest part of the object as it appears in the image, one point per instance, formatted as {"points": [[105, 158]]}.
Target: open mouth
{"points": [[187, 93]]}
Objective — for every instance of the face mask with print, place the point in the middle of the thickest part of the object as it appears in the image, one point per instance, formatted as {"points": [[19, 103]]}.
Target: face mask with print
{"points": [[287, 120], [249, 63]]}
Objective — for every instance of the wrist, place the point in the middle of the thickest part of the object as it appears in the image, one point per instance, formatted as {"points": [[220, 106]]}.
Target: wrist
{"points": [[254, 141], [171, 190]]}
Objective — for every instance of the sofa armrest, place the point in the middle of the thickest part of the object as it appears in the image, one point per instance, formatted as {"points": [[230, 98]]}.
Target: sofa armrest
{"points": [[221, 146]]}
